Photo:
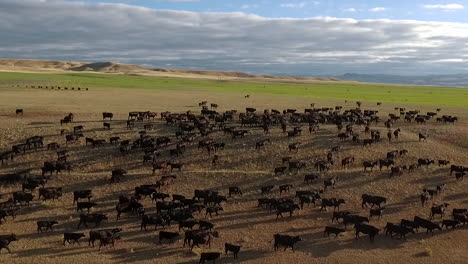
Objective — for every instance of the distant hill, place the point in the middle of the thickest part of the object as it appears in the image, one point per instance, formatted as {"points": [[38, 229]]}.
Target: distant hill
{"points": [[455, 80], [121, 68]]}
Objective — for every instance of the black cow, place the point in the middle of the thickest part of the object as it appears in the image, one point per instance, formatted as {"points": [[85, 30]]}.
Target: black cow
{"points": [[430, 226], [369, 164], [286, 208], [400, 230], [82, 194], [373, 200], [333, 202], [164, 235], [74, 237], [409, 224], [234, 190], [22, 197], [329, 183], [47, 224], [308, 178], [101, 234], [235, 249], [84, 205], [333, 230], [162, 220], [354, 219], [213, 209], [209, 256], [450, 223], [372, 231], [266, 189], [286, 241], [439, 209], [5, 241], [91, 218], [376, 212], [426, 162]]}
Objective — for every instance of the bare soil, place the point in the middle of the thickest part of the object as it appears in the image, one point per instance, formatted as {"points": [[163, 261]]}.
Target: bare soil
{"points": [[242, 222]]}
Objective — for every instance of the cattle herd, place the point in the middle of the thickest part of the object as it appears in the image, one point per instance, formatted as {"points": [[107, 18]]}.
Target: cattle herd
{"points": [[187, 218]]}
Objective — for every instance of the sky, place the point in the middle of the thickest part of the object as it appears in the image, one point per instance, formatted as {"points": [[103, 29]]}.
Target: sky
{"points": [[286, 37]]}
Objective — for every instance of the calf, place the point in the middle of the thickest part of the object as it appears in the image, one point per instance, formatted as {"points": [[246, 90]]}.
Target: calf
{"points": [[235, 249], [47, 224], [214, 209], [459, 175], [369, 164], [286, 241], [285, 188], [451, 223], [234, 190], [459, 211], [333, 230], [209, 256], [439, 209], [266, 189], [329, 183], [376, 212], [74, 237], [280, 170], [443, 162]]}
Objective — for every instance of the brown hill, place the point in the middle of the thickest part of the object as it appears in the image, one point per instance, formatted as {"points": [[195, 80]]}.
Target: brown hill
{"points": [[121, 68]]}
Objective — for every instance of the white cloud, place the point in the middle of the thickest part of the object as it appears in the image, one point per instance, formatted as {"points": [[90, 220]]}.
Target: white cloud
{"points": [[377, 9], [248, 6], [351, 9], [294, 5], [445, 7], [226, 41]]}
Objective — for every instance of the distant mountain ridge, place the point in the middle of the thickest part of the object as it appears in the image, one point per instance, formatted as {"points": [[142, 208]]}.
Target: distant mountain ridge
{"points": [[130, 69], [453, 80]]}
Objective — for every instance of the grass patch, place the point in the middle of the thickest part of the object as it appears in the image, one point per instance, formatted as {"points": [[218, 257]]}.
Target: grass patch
{"points": [[353, 91]]}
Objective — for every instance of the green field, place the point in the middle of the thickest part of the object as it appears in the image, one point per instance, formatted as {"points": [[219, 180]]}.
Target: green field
{"points": [[326, 90]]}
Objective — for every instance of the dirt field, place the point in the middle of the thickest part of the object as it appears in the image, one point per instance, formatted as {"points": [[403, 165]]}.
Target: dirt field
{"points": [[241, 222]]}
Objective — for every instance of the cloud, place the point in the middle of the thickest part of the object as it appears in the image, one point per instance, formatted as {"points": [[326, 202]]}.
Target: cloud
{"points": [[248, 6], [351, 9], [294, 5], [377, 9], [227, 41], [445, 7]]}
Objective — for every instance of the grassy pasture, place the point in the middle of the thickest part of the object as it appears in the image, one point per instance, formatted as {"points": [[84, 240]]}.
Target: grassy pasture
{"points": [[354, 91]]}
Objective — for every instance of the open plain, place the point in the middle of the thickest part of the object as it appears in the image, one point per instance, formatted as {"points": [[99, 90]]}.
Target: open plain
{"points": [[240, 164]]}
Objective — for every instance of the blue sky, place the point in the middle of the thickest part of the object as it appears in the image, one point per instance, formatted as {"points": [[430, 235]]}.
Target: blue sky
{"points": [[285, 37], [427, 10]]}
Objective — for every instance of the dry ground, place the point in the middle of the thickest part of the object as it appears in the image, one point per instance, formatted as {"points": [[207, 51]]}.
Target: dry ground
{"points": [[242, 222]]}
